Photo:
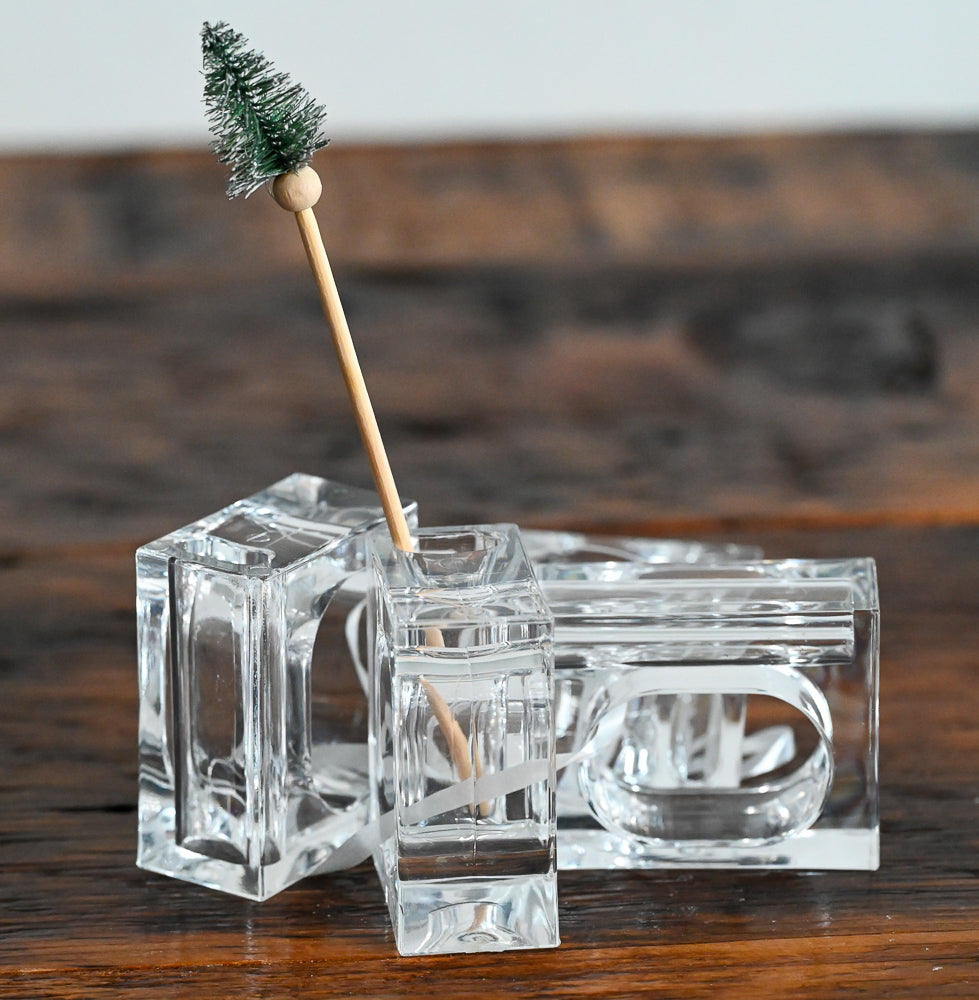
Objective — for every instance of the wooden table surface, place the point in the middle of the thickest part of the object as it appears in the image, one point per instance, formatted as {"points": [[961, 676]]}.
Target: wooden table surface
{"points": [[772, 340]]}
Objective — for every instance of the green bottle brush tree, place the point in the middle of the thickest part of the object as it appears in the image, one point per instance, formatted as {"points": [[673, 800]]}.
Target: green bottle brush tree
{"points": [[267, 129]]}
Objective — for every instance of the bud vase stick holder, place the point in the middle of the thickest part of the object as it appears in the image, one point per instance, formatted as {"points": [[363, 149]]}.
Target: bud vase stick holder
{"points": [[464, 877]]}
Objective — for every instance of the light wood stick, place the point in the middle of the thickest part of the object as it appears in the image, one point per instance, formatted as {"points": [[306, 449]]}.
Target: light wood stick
{"points": [[456, 738], [298, 192], [463, 759]]}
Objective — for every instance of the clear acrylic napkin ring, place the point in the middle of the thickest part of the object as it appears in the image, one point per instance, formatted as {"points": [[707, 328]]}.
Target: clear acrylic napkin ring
{"points": [[751, 736], [252, 761]]}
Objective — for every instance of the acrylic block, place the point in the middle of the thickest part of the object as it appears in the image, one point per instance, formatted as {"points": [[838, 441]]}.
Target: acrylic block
{"points": [[252, 721], [717, 715], [462, 742]]}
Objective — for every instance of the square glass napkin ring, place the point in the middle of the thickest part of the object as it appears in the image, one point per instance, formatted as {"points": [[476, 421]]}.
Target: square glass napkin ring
{"points": [[252, 770], [717, 716], [461, 698]]}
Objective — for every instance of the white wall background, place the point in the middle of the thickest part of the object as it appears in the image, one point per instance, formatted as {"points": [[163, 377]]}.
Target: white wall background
{"points": [[82, 74]]}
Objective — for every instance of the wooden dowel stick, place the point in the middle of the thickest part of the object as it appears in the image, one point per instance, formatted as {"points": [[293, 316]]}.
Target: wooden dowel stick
{"points": [[462, 757], [354, 378], [456, 738], [298, 192]]}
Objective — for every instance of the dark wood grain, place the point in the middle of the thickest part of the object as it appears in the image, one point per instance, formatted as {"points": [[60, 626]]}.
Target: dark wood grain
{"points": [[130, 416], [73, 222], [770, 340], [540, 341]]}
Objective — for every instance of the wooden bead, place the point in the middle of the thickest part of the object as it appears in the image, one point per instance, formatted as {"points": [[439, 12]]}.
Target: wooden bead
{"points": [[299, 190]]}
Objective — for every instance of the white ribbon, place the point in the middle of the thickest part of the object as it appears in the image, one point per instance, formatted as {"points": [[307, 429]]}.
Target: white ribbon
{"points": [[491, 786]]}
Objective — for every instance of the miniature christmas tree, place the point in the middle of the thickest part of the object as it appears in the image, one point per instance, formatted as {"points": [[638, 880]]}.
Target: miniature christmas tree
{"points": [[264, 124], [267, 128]]}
